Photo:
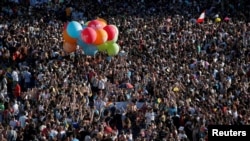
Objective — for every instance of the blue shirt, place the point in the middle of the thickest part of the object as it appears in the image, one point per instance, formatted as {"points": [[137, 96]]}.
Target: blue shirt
{"points": [[75, 139]]}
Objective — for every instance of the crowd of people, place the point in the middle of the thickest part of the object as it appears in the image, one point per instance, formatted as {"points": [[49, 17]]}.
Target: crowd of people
{"points": [[171, 80]]}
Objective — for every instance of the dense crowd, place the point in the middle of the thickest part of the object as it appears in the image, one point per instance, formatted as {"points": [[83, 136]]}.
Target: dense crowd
{"points": [[172, 77]]}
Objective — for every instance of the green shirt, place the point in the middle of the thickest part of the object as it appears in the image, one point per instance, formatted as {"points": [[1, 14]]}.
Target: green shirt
{"points": [[1, 107]]}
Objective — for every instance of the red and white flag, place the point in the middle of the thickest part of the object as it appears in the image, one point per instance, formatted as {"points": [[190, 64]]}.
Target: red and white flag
{"points": [[201, 18]]}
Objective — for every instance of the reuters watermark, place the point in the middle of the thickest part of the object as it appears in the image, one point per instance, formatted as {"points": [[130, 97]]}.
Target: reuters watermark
{"points": [[219, 132]]}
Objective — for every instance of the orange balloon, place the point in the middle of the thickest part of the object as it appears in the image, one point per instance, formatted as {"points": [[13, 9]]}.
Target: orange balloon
{"points": [[102, 36], [68, 47], [102, 21], [67, 38]]}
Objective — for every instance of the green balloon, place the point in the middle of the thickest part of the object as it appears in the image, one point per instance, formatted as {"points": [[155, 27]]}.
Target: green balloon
{"points": [[113, 49], [103, 47]]}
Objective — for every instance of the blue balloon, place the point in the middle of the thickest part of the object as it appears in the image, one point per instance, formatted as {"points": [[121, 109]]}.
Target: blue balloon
{"points": [[73, 29], [81, 43], [88, 49]]}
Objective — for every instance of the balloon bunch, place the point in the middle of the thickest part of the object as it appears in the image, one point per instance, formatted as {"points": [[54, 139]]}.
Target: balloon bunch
{"points": [[93, 36]]}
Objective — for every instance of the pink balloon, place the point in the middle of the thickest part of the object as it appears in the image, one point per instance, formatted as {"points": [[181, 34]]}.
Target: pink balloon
{"points": [[112, 31], [96, 24], [88, 35]]}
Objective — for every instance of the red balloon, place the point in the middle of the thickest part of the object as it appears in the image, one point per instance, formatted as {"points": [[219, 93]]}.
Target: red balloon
{"points": [[112, 31], [96, 24], [88, 35]]}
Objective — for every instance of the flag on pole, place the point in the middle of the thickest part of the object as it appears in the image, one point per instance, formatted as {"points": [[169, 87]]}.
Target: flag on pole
{"points": [[201, 18]]}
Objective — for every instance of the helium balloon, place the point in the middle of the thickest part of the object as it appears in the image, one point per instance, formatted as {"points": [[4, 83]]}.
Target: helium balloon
{"points": [[96, 24], [88, 35], [81, 43], [65, 26], [102, 36], [84, 26], [74, 28], [69, 48], [67, 38], [88, 49], [103, 47], [115, 39], [112, 32], [113, 49], [102, 20]]}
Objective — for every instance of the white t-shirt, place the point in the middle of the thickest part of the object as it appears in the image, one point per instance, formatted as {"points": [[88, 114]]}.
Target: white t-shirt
{"points": [[22, 121], [101, 84], [40, 108], [15, 76], [150, 116], [15, 108], [130, 137], [182, 136]]}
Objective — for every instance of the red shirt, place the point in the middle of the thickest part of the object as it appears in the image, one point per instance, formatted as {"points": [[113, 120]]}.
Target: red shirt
{"points": [[17, 90]]}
